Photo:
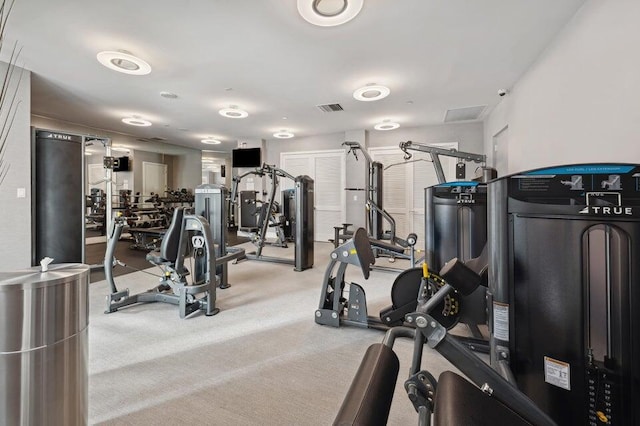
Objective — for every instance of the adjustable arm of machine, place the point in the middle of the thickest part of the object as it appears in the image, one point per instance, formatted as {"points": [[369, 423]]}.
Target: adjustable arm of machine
{"points": [[435, 154], [235, 181], [271, 169]]}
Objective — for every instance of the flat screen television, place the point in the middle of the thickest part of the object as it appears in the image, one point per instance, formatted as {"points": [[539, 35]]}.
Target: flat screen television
{"points": [[121, 164], [246, 157]]}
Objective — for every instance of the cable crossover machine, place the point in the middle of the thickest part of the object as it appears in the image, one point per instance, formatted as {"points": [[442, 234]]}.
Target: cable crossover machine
{"points": [[301, 206]]}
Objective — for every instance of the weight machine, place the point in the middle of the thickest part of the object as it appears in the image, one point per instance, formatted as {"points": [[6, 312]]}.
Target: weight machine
{"points": [[435, 154], [173, 288], [376, 215], [303, 219]]}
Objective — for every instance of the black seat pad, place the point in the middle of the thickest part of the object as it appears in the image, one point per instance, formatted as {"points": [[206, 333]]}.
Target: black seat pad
{"points": [[458, 402], [386, 246]]}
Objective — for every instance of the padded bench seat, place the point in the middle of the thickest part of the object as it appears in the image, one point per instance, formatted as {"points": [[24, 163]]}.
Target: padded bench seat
{"points": [[459, 402]]}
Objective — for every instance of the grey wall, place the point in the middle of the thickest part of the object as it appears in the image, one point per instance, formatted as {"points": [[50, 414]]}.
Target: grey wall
{"points": [[187, 170], [15, 226], [579, 101]]}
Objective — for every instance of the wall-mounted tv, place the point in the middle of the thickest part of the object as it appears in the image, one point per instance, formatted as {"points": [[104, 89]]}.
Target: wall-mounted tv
{"points": [[246, 157], [121, 164]]}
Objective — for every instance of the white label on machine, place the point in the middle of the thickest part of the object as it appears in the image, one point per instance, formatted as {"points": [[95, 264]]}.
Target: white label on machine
{"points": [[501, 321], [557, 373]]}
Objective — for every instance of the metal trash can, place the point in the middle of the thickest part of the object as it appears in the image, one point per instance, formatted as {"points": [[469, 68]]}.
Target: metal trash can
{"points": [[44, 319]]}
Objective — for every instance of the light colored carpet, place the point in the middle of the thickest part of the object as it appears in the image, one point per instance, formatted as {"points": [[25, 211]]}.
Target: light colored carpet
{"points": [[261, 361]]}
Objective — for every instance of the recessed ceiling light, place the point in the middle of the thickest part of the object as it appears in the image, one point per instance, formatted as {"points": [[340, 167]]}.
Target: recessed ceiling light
{"points": [[329, 13], [136, 121], [124, 62], [283, 134], [211, 141], [386, 125], [119, 149], [371, 92], [233, 112], [168, 95]]}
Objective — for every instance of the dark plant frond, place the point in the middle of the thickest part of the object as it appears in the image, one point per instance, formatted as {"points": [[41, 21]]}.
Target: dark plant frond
{"points": [[8, 104]]}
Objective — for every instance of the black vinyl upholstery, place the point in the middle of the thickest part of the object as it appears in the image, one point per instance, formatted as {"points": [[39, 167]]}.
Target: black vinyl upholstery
{"points": [[369, 398], [168, 252], [458, 402], [392, 248]]}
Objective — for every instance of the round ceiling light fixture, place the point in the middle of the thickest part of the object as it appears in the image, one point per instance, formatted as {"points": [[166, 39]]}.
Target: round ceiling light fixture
{"points": [[124, 62], [283, 134], [329, 13], [233, 112], [211, 141], [371, 92], [136, 121], [386, 125]]}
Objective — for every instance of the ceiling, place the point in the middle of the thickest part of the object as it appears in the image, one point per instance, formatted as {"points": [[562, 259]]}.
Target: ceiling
{"points": [[263, 57]]}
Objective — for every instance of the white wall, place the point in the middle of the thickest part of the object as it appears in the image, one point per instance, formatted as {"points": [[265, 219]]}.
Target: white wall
{"points": [[15, 226], [579, 101]]}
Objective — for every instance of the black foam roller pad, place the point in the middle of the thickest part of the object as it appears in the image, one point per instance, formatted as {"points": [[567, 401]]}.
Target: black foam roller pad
{"points": [[460, 276], [369, 398]]}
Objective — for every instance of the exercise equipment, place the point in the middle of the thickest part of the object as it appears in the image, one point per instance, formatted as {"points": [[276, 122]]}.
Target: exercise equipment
{"points": [[211, 203], [452, 400], [456, 226], [303, 220], [564, 289], [335, 309], [435, 154], [187, 235], [377, 215]]}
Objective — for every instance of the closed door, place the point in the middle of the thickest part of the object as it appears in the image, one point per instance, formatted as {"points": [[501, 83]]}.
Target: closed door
{"points": [[327, 169]]}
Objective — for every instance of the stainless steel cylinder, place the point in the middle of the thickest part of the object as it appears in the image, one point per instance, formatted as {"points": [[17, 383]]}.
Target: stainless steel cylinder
{"points": [[44, 346]]}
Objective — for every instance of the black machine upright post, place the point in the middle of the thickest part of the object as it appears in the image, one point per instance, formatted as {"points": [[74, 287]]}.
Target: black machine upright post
{"points": [[304, 225], [211, 203], [376, 196], [564, 274]]}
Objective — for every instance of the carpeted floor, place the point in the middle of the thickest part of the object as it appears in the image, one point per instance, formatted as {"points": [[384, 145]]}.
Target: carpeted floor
{"points": [[261, 361]]}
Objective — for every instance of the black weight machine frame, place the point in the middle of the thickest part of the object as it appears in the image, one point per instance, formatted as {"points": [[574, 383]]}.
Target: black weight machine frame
{"points": [[369, 398], [184, 294], [435, 154], [375, 214], [303, 255]]}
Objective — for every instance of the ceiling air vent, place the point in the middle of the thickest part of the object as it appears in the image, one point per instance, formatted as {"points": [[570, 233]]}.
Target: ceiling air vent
{"points": [[464, 114], [330, 108], [157, 139]]}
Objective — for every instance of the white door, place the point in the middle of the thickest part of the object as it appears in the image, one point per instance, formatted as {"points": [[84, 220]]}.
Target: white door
{"points": [[327, 169], [154, 178], [404, 183]]}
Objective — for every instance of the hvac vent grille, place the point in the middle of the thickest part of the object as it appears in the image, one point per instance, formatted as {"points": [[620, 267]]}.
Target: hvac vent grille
{"points": [[464, 114], [330, 108]]}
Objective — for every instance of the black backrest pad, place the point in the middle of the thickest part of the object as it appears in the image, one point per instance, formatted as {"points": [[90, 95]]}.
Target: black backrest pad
{"points": [[369, 398], [363, 250], [171, 240]]}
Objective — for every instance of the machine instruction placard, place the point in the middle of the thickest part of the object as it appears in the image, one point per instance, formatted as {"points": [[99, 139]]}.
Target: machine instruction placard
{"points": [[557, 373], [501, 321]]}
